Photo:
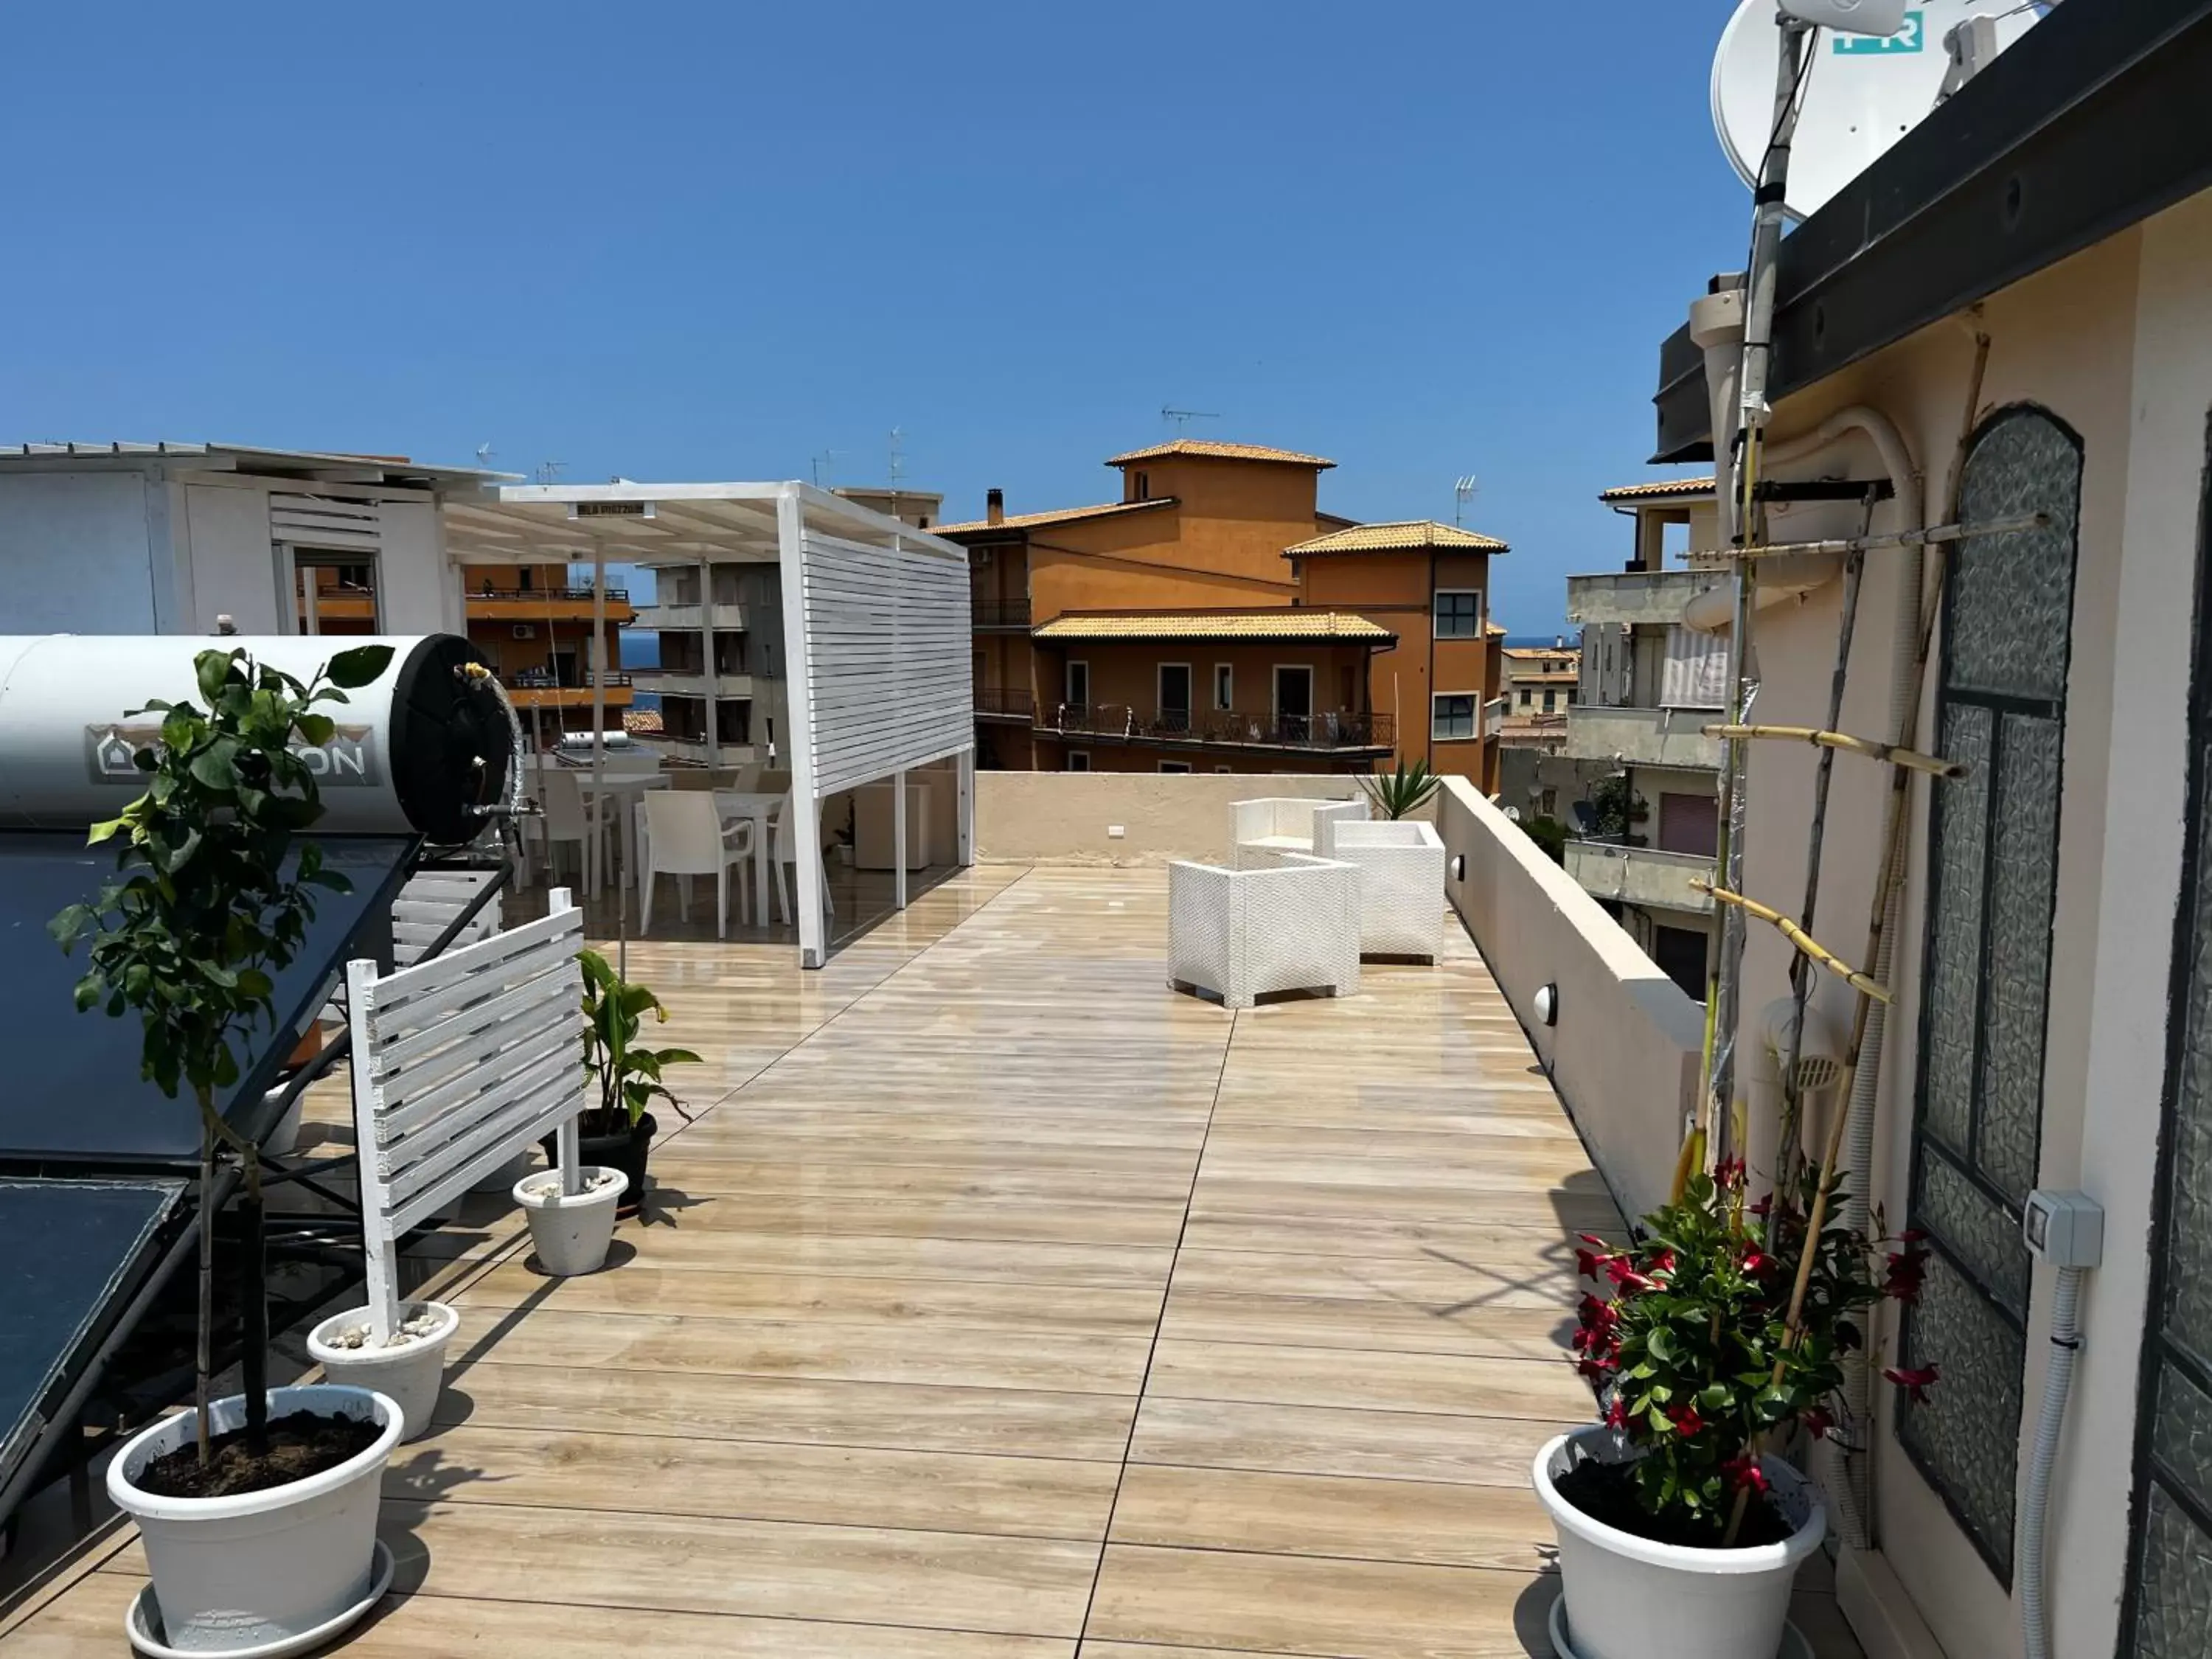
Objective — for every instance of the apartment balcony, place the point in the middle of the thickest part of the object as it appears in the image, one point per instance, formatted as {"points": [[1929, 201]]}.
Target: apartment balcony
{"points": [[1609, 868], [1649, 598], [340, 605], [1644, 736], [1339, 734], [692, 683], [1010, 617], [1005, 705], [537, 688], [689, 618], [544, 604]]}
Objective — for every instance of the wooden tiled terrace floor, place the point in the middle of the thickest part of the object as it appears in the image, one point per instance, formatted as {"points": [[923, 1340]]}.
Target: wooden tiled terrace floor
{"points": [[1007, 1305]]}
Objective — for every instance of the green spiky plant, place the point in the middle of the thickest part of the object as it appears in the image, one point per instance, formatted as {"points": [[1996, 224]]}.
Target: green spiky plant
{"points": [[212, 896], [1401, 792]]}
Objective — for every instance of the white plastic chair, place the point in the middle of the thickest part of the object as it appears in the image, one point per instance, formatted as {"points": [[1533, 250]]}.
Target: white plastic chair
{"points": [[565, 821], [684, 837], [786, 852]]}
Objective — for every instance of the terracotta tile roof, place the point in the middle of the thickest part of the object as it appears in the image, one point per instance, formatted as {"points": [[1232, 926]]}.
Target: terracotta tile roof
{"points": [[1284, 622], [1662, 489], [1059, 515], [1206, 447], [1405, 536], [1543, 651]]}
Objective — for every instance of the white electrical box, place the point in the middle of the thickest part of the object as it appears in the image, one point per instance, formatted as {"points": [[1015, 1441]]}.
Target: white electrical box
{"points": [[1114, 832], [2067, 1230]]}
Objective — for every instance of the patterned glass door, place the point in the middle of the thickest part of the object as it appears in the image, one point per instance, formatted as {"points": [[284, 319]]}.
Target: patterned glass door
{"points": [[1993, 858], [2169, 1605]]}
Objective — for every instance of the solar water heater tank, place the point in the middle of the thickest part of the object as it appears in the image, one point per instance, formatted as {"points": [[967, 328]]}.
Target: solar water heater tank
{"points": [[417, 751]]}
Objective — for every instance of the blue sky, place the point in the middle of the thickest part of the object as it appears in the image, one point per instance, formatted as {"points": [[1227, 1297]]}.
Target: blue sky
{"points": [[717, 240]]}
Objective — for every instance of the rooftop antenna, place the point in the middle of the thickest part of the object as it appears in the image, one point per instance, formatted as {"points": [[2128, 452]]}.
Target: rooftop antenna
{"points": [[826, 462], [898, 457], [1463, 491], [548, 472], [1180, 419]]}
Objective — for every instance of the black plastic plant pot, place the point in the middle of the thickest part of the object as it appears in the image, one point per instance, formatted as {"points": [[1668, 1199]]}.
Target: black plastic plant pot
{"points": [[625, 1149]]}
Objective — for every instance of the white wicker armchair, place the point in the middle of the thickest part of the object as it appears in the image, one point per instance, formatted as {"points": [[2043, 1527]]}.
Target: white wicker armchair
{"points": [[1401, 886], [1287, 824], [1292, 926]]}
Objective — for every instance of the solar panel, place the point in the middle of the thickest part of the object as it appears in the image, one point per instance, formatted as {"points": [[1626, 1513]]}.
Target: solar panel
{"points": [[72, 1089], [67, 1250]]}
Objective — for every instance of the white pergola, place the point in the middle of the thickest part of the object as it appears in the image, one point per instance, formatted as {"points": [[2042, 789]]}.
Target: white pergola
{"points": [[876, 630]]}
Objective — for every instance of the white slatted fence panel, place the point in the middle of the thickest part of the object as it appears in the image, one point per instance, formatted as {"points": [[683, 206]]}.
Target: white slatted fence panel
{"points": [[427, 905], [459, 1062], [889, 670]]}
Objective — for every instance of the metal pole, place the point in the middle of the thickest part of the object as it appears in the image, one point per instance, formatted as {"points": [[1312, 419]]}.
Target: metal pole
{"points": [[597, 657]]}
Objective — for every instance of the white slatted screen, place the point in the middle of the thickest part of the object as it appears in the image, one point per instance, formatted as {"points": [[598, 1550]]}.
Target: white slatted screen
{"points": [[326, 521], [459, 1063], [427, 905], [888, 659]]}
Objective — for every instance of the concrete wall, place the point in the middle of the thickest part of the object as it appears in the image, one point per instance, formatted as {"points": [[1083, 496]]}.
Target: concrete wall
{"points": [[1064, 818], [76, 554], [1624, 1052]]}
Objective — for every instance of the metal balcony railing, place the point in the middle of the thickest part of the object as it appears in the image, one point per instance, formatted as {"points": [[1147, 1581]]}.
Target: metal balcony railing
{"points": [[526, 595], [1269, 731], [544, 679], [1011, 613], [1017, 705]]}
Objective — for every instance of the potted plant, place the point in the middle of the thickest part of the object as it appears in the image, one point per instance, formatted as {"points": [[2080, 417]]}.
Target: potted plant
{"points": [[1402, 792], [1680, 1526], [259, 1511], [615, 1130]]}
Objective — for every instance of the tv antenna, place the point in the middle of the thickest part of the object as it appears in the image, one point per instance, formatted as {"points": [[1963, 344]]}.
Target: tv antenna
{"points": [[548, 472], [826, 462], [1180, 419], [1463, 491], [898, 457]]}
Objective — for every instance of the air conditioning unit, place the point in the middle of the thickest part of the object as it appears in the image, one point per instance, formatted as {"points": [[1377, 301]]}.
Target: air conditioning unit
{"points": [[525, 630]]}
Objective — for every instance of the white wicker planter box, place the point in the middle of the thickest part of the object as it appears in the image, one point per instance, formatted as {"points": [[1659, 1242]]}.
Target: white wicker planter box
{"points": [[1401, 886], [1245, 933], [1264, 828]]}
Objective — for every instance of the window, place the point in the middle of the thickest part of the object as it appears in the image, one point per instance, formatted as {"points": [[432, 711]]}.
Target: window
{"points": [[1174, 766], [1524, 696], [1459, 613], [1078, 760], [1993, 868], [1570, 696], [1452, 715], [1225, 686], [1551, 700], [1547, 804], [1144, 487], [1174, 697], [1078, 686]]}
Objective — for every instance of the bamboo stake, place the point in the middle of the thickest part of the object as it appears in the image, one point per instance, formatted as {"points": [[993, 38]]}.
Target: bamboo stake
{"points": [[1893, 754], [1797, 936], [1718, 558]]}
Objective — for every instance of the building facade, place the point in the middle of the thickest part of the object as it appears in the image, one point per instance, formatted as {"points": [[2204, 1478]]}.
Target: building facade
{"points": [[1646, 681], [1166, 592], [534, 625]]}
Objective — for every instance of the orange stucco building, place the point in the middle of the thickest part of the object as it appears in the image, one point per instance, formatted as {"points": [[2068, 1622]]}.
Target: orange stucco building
{"points": [[1209, 619]]}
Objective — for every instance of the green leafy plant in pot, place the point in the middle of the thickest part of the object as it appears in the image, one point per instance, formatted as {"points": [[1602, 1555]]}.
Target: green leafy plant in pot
{"points": [[214, 889], [624, 1077], [1724, 1335], [1403, 791]]}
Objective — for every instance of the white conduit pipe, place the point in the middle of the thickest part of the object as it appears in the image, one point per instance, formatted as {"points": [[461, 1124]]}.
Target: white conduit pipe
{"points": [[2043, 1458]]}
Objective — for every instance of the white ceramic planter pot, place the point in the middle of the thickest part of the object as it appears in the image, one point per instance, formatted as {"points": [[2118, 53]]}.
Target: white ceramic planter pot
{"points": [[283, 1139], [1629, 1598], [571, 1234], [263, 1567], [410, 1375]]}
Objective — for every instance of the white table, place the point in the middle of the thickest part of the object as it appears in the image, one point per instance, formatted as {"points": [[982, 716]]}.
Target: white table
{"points": [[618, 787]]}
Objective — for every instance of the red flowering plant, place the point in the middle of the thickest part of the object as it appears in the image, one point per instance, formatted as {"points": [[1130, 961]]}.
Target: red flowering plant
{"points": [[1697, 1354]]}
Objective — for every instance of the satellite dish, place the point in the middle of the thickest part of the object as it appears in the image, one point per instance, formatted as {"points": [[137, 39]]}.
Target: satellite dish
{"points": [[1862, 92]]}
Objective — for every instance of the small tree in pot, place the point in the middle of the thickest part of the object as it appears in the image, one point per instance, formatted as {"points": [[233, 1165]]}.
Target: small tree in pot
{"points": [[213, 894], [1724, 1333], [1402, 791]]}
